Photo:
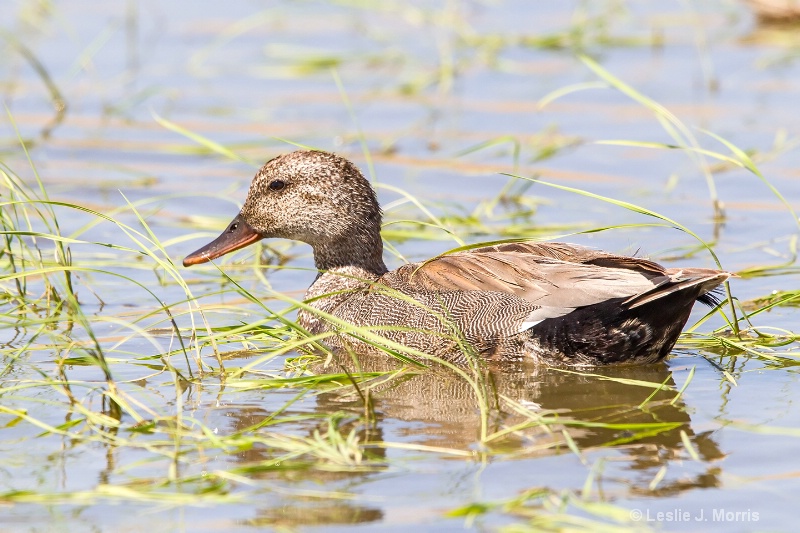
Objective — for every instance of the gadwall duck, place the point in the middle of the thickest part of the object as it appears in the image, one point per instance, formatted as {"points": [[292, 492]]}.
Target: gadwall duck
{"points": [[560, 304]]}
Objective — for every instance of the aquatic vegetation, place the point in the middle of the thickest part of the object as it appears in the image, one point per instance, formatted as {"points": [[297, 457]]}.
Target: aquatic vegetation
{"points": [[128, 380]]}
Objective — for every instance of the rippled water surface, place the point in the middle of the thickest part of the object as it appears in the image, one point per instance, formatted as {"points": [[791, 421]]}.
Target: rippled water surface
{"points": [[157, 114]]}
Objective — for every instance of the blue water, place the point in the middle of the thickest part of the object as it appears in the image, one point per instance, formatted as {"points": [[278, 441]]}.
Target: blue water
{"points": [[425, 81]]}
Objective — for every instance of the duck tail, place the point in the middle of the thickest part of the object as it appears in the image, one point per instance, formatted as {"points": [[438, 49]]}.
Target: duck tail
{"points": [[704, 281]]}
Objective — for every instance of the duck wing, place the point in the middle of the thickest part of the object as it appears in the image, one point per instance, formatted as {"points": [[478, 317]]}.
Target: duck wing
{"points": [[556, 278]]}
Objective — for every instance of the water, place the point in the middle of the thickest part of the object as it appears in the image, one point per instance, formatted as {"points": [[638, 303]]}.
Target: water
{"points": [[425, 81]]}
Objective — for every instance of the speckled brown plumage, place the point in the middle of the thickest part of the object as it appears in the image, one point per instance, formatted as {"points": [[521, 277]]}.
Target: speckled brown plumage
{"points": [[557, 303]]}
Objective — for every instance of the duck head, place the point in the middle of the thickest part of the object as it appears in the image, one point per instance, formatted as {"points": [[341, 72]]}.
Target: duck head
{"points": [[315, 197]]}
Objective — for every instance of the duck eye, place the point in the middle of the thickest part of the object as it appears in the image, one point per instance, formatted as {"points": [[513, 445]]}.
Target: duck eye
{"points": [[276, 185]]}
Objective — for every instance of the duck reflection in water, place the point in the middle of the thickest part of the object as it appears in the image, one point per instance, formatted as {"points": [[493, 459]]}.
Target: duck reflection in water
{"points": [[594, 408], [598, 414]]}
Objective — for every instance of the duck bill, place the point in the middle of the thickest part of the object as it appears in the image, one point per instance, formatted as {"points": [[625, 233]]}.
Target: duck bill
{"points": [[238, 235]]}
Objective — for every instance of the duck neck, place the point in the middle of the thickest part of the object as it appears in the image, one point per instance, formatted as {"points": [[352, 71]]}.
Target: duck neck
{"points": [[360, 251]]}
